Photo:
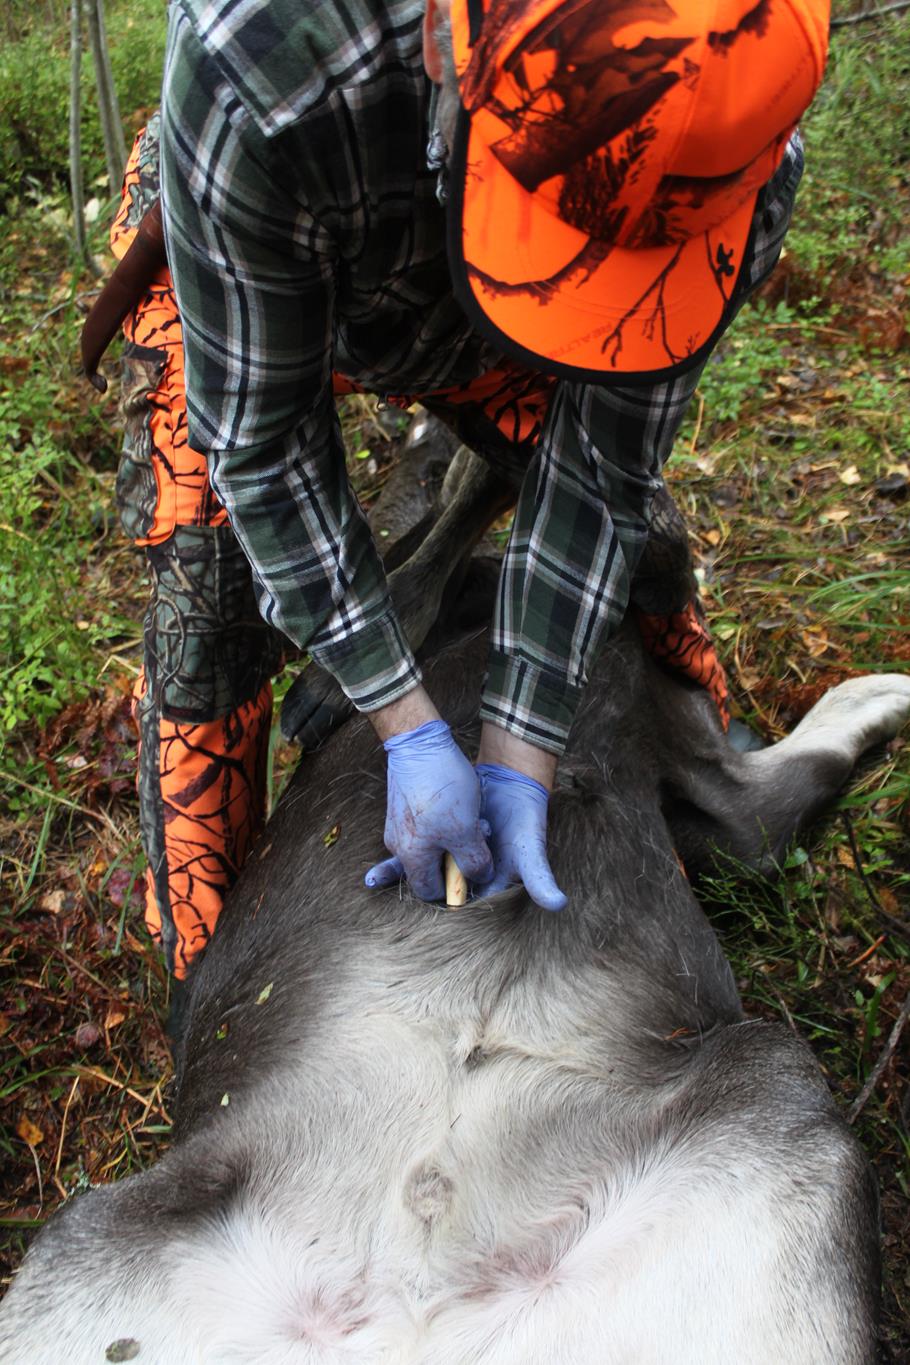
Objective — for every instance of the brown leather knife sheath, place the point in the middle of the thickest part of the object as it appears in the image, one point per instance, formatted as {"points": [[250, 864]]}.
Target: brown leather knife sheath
{"points": [[122, 292]]}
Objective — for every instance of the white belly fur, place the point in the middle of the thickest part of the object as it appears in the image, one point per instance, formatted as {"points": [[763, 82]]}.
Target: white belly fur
{"points": [[428, 1214], [408, 1206]]}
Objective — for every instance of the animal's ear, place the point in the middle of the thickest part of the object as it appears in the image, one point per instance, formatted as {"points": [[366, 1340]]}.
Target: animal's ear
{"points": [[750, 806]]}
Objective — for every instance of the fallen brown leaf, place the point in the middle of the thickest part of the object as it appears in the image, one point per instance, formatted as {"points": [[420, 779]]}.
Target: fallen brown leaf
{"points": [[28, 1131]]}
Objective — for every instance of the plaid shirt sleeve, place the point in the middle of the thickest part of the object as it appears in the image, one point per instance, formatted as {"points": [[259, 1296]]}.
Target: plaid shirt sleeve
{"points": [[254, 277], [582, 517]]}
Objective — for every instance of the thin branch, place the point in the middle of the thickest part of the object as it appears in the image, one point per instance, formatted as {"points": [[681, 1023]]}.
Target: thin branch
{"points": [[59, 307], [113, 102], [791, 1024], [128, 1090], [108, 111], [896, 922], [75, 137], [893, 8], [79, 967], [52, 796], [66, 1111], [885, 1056]]}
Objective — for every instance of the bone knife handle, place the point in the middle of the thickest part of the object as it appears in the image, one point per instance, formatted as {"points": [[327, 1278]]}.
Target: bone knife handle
{"points": [[456, 883]]}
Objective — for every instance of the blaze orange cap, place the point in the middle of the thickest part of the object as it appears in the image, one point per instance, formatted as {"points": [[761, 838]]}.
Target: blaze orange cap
{"points": [[607, 162]]}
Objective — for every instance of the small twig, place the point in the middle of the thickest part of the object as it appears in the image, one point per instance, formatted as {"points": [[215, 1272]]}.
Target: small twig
{"points": [[52, 796], [893, 8], [161, 1109], [869, 951], [31, 1148], [56, 487], [66, 1110], [896, 922], [13, 531], [125, 647], [78, 967], [127, 1090], [783, 1005], [59, 307], [701, 412], [885, 1056]]}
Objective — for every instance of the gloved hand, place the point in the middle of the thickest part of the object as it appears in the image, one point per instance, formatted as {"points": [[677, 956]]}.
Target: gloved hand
{"points": [[432, 806], [515, 807]]}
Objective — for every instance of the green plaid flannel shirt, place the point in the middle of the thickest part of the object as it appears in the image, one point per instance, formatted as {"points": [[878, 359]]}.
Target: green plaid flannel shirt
{"points": [[305, 236]]}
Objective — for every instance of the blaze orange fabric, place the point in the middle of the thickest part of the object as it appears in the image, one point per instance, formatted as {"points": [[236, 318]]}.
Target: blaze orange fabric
{"points": [[607, 164], [682, 642], [512, 398], [184, 494], [213, 794]]}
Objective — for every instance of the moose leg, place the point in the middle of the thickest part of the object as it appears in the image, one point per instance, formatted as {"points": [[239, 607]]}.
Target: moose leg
{"points": [[749, 806]]}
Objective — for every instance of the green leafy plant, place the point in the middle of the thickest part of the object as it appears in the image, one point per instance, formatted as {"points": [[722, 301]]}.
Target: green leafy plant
{"points": [[34, 94]]}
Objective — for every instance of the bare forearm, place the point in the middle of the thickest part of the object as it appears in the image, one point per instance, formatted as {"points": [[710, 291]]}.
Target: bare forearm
{"points": [[499, 746]]}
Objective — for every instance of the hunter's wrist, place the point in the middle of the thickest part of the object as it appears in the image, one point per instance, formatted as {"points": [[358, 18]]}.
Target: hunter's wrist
{"points": [[500, 747], [405, 713]]}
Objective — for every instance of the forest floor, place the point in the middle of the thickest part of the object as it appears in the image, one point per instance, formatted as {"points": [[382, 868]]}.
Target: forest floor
{"points": [[794, 473]]}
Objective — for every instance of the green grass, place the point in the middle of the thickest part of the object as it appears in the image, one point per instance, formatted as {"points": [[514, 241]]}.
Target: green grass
{"points": [[852, 205], [804, 567], [48, 656], [64, 602], [34, 96]]}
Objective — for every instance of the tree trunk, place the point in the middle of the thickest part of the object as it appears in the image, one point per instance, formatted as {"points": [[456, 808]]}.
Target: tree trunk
{"points": [[116, 120], [76, 190], [108, 107], [12, 29]]}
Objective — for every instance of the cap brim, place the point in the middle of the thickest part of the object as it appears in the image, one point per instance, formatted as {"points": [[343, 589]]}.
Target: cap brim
{"points": [[563, 303]]}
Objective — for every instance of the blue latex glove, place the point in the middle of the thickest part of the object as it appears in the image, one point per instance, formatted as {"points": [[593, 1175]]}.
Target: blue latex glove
{"points": [[432, 807], [515, 807]]}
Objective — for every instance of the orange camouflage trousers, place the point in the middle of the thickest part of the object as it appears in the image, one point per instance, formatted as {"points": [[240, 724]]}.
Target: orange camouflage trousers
{"points": [[203, 700]]}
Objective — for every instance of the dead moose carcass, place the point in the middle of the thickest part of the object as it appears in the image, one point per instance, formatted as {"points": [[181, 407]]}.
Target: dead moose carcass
{"points": [[493, 1135]]}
